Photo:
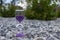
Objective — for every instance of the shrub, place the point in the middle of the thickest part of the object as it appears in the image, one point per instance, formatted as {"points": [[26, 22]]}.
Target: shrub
{"points": [[0, 10], [9, 11], [51, 16], [0, 14], [38, 16], [59, 14], [29, 14], [58, 11], [42, 10]]}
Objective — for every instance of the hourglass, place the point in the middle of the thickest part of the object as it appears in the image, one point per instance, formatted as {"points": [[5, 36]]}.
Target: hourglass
{"points": [[19, 18], [19, 15]]}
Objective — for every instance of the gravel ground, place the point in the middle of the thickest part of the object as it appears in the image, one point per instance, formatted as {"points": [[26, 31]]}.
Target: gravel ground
{"points": [[33, 29]]}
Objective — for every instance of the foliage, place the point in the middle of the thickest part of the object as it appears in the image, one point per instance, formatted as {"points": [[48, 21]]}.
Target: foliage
{"points": [[0, 14], [41, 9], [29, 14], [58, 10], [59, 14], [9, 11], [0, 10]]}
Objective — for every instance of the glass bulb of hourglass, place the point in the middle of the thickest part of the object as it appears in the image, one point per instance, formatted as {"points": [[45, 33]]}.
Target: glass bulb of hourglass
{"points": [[20, 18]]}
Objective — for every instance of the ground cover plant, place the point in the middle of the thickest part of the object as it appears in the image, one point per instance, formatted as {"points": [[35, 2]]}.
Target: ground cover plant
{"points": [[8, 11], [41, 10]]}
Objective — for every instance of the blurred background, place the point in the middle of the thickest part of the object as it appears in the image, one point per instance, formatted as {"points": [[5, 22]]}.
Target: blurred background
{"points": [[36, 9]]}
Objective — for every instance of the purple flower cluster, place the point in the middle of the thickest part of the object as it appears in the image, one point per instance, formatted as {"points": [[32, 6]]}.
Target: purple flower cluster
{"points": [[20, 18]]}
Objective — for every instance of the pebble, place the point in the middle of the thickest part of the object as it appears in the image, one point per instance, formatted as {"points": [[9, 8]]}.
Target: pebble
{"points": [[34, 29]]}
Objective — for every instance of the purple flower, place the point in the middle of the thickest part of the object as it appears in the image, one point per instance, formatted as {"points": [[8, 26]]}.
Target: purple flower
{"points": [[20, 35], [19, 18]]}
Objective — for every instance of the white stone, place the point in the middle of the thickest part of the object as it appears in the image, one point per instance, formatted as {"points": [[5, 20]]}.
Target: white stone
{"points": [[9, 34], [53, 26]]}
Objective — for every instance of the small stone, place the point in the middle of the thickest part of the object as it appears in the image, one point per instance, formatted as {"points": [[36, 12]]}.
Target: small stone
{"points": [[33, 26], [13, 26], [25, 28], [28, 35], [39, 38], [3, 38], [50, 38], [58, 33], [9, 34]]}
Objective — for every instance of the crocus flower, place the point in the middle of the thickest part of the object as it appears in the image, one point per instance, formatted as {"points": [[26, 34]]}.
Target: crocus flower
{"points": [[19, 18], [20, 35]]}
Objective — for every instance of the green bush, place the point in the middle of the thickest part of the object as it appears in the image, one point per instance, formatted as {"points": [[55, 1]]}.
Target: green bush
{"points": [[52, 16], [29, 14], [41, 10], [38, 16], [0, 10], [9, 11], [0, 14], [59, 14], [58, 11]]}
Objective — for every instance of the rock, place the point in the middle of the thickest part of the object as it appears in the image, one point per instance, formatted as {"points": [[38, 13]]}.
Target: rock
{"points": [[25, 28], [9, 35], [32, 29], [13, 26], [50, 38], [39, 38], [3, 38], [58, 33]]}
